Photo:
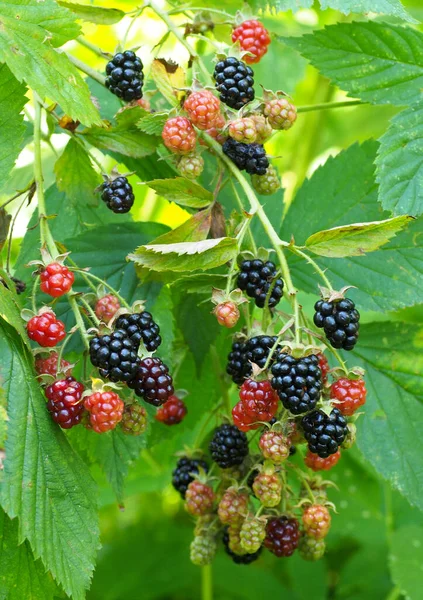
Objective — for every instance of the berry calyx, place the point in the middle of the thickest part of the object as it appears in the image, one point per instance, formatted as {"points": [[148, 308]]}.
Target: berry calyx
{"points": [[324, 433], [118, 195], [172, 412], [56, 280], [203, 109], [179, 136], [234, 82], [106, 410], [140, 327], [339, 320], [324, 366], [282, 536], [185, 471], [247, 157], [106, 307], [267, 487], [316, 463], [134, 419], [252, 534], [49, 365], [254, 38], [152, 381], [229, 446], [280, 113], [259, 280], [227, 314], [241, 558], [267, 184], [351, 436], [274, 446], [115, 355], [258, 402], [46, 329], [199, 498], [310, 548], [125, 76], [298, 382], [316, 521], [243, 130], [233, 506], [191, 166], [350, 394], [64, 402], [202, 550]]}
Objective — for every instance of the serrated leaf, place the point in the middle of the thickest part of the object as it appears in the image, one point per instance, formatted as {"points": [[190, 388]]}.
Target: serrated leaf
{"points": [[182, 191], [27, 36], [346, 192], [153, 123], [199, 283], [377, 62], [94, 14], [400, 163], [21, 577], [12, 127], [194, 229], [186, 256], [392, 355], [10, 312], [355, 239], [169, 77], [76, 176], [45, 483], [406, 560]]}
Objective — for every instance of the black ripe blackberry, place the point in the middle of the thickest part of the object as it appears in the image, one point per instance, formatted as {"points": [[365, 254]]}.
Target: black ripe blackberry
{"points": [[239, 559], [257, 349], [256, 278], [237, 366], [20, 285], [235, 82], [298, 382], [229, 446], [141, 327], [340, 321], [114, 355], [324, 433], [184, 473], [152, 381], [125, 77], [247, 157], [118, 195]]}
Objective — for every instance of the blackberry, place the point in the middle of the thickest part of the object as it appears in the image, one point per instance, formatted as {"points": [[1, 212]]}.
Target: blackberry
{"points": [[234, 81], [152, 381], [257, 349], [118, 195], [141, 327], [298, 382], [324, 433], [182, 475], [283, 535], [237, 366], [243, 559], [229, 446], [125, 77], [115, 355], [256, 278], [340, 321], [247, 157], [20, 285]]}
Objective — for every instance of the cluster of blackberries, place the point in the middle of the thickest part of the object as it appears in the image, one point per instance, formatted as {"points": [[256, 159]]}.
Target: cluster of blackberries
{"points": [[255, 350], [297, 381], [259, 280], [118, 195], [235, 82], [247, 157], [340, 322], [125, 76], [116, 356]]}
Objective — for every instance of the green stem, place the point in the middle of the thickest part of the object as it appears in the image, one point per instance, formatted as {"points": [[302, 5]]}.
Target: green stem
{"points": [[79, 320], [86, 69], [134, 18], [181, 9], [106, 285], [92, 47], [327, 105], [238, 199], [312, 262], [206, 583], [90, 311], [338, 358]]}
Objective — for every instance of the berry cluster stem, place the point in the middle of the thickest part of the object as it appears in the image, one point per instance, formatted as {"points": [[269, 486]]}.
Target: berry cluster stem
{"points": [[327, 105], [313, 263], [206, 583], [78, 318], [87, 69]]}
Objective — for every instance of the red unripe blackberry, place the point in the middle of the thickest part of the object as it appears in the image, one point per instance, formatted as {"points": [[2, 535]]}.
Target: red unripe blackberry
{"points": [[134, 419], [280, 113], [324, 433], [274, 446], [216, 131], [227, 314], [233, 507], [203, 109], [172, 412], [263, 129], [254, 38], [179, 136], [258, 402], [56, 280], [48, 365], [350, 393], [199, 498], [339, 320], [243, 421], [324, 366], [282, 536], [314, 462], [267, 487], [64, 402], [125, 76], [239, 559], [311, 549], [106, 410], [152, 381], [106, 307], [316, 521], [46, 330]]}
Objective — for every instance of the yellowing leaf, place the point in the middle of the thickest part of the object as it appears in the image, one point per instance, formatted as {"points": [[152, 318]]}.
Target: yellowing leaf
{"points": [[168, 76]]}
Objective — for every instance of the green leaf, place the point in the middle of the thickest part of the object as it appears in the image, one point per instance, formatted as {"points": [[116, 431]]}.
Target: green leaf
{"points": [[76, 176], [355, 239], [345, 191], [12, 127], [406, 561], [45, 483], [21, 577], [31, 30], [95, 14], [400, 163], [182, 191], [392, 355], [169, 78], [10, 312], [384, 7], [186, 256], [377, 62], [153, 123], [194, 229]]}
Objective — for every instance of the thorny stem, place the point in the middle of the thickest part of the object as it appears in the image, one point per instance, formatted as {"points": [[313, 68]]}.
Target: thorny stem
{"points": [[238, 199], [87, 69], [79, 320], [90, 311], [312, 262], [28, 187], [327, 105]]}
